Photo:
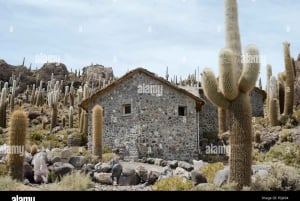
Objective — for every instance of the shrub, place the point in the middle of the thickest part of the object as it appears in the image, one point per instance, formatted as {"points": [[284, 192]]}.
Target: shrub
{"points": [[36, 136], [108, 156], [287, 152], [257, 136], [210, 171], [107, 149], [35, 122], [3, 170], [257, 156], [74, 182], [285, 135], [7, 183], [173, 183], [280, 177]]}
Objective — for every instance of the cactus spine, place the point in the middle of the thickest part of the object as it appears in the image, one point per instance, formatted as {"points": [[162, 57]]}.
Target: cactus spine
{"points": [[289, 81], [239, 108], [17, 137], [97, 130]]}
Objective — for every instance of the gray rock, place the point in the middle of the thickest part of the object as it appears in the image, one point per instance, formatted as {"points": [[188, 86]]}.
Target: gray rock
{"points": [[28, 172], [198, 177], [116, 171], [86, 168], [128, 171], [28, 157], [257, 168], [150, 160], [66, 154], [185, 165], [152, 177], [103, 178], [142, 173], [77, 161], [130, 180], [181, 173], [158, 161], [55, 159], [164, 163], [198, 164], [61, 169], [40, 168], [166, 172], [221, 177], [103, 167], [73, 140], [41, 155], [173, 164]]}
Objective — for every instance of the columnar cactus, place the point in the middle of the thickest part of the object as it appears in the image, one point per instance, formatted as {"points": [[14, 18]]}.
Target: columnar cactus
{"points": [[17, 137], [53, 98], [71, 113], [3, 107], [269, 74], [289, 81], [13, 92], [273, 102], [222, 123], [39, 95], [97, 122], [232, 94]]}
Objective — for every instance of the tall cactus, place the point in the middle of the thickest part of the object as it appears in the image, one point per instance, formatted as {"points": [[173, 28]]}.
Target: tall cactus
{"points": [[3, 107], [269, 74], [273, 102], [97, 130], [53, 97], [17, 137], [289, 80], [71, 113], [232, 93], [13, 92]]}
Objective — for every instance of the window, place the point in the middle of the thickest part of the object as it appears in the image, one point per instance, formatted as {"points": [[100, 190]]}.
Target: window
{"points": [[127, 109], [181, 110]]}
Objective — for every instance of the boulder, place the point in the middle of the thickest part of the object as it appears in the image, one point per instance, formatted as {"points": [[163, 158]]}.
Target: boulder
{"points": [[41, 155], [130, 180], [28, 172], [198, 177], [40, 168], [128, 171], [77, 161], [185, 165], [103, 167], [116, 171], [151, 160], [152, 177], [28, 157], [55, 159], [61, 169], [158, 161], [173, 164], [142, 173], [221, 177], [103, 178], [86, 168], [198, 164], [181, 173]]}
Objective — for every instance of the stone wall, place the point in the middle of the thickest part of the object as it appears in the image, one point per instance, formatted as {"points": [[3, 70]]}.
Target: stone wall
{"points": [[154, 127], [257, 104]]}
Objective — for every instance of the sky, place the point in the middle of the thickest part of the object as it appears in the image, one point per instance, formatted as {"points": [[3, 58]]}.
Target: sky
{"points": [[154, 34]]}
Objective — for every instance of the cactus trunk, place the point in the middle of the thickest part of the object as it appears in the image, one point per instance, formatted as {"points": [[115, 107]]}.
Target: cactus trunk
{"points": [[17, 137], [289, 81], [97, 130], [241, 141], [222, 120]]}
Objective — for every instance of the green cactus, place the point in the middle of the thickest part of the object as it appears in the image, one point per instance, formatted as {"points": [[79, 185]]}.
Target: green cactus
{"points": [[239, 108], [269, 74], [17, 137], [289, 81], [222, 122], [12, 97], [273, 102], [97, 130]]}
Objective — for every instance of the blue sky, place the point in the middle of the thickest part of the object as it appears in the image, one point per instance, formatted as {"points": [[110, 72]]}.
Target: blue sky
{"points": [[126, 34]]}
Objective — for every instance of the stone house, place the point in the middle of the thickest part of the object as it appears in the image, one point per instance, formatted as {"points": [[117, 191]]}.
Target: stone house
{"points": [[148, 116]]}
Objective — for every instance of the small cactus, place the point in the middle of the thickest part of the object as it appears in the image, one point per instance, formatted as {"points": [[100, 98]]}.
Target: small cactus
{"points": [[97, 130], [71, 113], [17, 136], [3, 107]]}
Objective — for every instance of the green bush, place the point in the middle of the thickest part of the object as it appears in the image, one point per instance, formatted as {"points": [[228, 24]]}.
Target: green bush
{"points": [[35, 122], [173, 183], [287, 152], [72, 182], [107, 149], [210, 171], [285, 135], [36, 136]]}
